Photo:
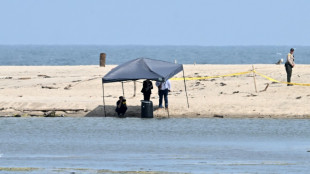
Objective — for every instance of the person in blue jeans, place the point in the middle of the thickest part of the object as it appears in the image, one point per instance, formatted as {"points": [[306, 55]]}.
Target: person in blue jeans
{"points": [[163, 90]]}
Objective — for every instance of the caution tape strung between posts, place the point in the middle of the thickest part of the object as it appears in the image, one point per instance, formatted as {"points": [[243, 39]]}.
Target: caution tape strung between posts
{"points": [[210, 77], [237, 74], [273, 80]]}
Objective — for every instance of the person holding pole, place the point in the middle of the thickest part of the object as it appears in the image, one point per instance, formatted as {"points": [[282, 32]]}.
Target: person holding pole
{"points": [[163, 90], [289, 65]]}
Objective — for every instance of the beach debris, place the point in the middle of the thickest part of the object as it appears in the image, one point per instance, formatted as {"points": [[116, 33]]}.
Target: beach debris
{"points": [[20, 96], [274, 82], [279, 62], [223, 84], [24, 78], [50, 114], [308, 151], [299, 97], [49, 87], [44, 76], [1, 109], [17, 115], [68, 87], [265, 88], [251, 95], [235, 92], [8, 77], [218, 116], [49, 111], [212, 80], [76, 81]]}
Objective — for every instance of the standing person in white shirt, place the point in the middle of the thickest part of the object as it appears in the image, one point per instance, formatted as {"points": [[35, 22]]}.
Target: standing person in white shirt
{"points": [[163, 90]]}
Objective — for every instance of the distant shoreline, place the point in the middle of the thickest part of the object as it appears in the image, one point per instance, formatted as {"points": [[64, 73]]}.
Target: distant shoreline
{"points": [[58, 55]]}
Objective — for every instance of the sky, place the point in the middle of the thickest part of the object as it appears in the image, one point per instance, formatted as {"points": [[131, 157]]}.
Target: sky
{"points": [[155, 22]]}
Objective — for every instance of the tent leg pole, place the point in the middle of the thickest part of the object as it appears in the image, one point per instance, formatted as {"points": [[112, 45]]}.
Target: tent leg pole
{"points": [[123, 89], [135, 88], [105, 113], [185, 89], [168, 112]]}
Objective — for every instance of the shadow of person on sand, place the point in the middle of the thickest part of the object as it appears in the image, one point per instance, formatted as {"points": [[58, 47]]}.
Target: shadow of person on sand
{"points": [[132, 111]]}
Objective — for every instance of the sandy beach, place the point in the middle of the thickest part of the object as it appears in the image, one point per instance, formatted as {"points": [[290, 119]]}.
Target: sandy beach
{"points": [[77, 91]]}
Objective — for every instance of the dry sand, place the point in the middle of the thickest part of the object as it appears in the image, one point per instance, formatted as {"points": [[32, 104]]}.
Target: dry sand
{"points": [[77, 91]]}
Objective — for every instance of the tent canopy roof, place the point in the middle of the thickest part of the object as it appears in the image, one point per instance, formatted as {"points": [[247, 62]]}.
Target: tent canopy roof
{"points": [[143, 68]]}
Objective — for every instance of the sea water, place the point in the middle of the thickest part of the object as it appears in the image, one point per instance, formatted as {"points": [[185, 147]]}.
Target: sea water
{"points": [[89, 54], [184, 145]]}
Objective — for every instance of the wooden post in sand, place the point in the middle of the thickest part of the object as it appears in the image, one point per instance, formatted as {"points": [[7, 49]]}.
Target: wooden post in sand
{"points": [[102, 59], [254, 78]]}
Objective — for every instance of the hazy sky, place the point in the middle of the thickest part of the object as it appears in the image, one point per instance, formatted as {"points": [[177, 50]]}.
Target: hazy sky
{"points": [[155, 22]]}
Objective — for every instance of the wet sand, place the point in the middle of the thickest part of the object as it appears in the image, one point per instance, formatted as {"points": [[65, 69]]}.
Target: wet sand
{"points": [[77, 91]]}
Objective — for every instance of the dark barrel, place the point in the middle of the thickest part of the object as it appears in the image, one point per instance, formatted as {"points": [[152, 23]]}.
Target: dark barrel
{"points": [[146, 109]]}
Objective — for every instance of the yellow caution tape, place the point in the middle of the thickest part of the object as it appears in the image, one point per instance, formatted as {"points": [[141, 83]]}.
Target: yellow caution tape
{"points": [[273, 80], [211, 77], [238, 74]]}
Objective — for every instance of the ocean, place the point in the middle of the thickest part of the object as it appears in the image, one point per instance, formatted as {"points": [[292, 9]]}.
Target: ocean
{"points": [[89, 54], [183, 145]]}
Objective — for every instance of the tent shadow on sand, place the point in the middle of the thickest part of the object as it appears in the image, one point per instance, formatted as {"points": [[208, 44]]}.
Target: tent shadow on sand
{"points": [[133, 111]]}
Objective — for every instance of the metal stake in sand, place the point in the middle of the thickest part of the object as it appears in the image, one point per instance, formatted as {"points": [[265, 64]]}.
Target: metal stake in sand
{"points": [[254, 78]]}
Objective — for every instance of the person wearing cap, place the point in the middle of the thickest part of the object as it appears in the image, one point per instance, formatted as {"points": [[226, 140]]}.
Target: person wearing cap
{"points": [[163, 90], [121, 106], [289, 65]]}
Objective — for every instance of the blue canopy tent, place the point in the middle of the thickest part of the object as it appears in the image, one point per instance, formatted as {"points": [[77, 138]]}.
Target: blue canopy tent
{"points": [[143, 68]]}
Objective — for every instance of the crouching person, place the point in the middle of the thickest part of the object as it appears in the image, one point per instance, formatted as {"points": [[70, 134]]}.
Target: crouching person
{"points": [[121, 106]]}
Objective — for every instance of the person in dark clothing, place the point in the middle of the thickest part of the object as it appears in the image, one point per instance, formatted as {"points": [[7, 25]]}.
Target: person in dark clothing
{"points": [[147, 89], [121, 106], [289, 65]]}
